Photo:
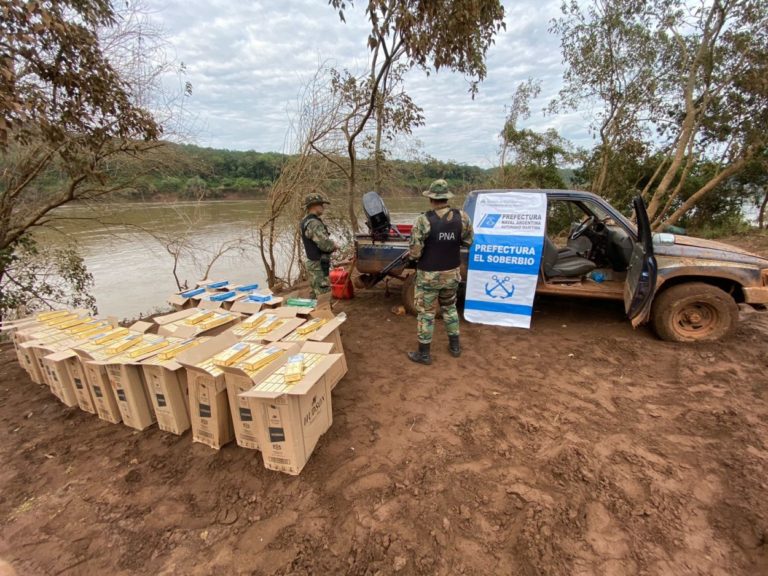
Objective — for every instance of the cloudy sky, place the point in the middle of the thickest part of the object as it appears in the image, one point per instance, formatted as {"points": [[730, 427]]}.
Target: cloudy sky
{"points": [[247, 60]]}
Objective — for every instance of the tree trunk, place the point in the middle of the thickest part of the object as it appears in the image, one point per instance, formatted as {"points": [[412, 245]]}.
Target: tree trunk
{"points": [[708, 187], [686, 134], [599, 183], [2, 275], [760, 215], [378, 156], [351, 185]]}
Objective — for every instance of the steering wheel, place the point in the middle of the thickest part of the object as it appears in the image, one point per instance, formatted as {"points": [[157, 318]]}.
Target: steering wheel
{"points": [[583, 227]]}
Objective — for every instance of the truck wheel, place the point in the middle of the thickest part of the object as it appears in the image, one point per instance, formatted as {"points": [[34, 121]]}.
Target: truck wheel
{"points": [[409, 294], [694, 312]]}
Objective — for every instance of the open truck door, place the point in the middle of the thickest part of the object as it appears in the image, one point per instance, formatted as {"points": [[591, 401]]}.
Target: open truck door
{"points": [[640, 284]]}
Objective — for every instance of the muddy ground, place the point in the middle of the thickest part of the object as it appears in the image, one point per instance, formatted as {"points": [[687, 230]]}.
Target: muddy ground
{"points": [[581, 447]]}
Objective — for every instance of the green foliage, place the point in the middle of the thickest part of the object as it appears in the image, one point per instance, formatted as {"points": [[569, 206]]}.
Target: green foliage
{"points": [[534, 158], [530, 159], [436, 34], [34, 277], [55, 79], [722, 227], [677, 91]]}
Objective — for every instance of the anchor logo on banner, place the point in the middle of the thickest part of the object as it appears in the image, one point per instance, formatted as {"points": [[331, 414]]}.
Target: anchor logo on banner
{"points": [[503, 288]]}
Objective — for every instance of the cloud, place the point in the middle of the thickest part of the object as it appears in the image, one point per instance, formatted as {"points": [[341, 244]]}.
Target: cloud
{"points": [[248, 60]]}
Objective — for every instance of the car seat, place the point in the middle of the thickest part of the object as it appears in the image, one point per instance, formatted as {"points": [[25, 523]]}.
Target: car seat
{"points": [[563, 264]]}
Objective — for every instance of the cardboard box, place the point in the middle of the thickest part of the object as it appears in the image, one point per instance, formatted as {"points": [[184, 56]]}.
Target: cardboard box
{"points": [[290, 418], [240, 380], [49, 354], [288, 322], [167, 385], [95, 355], [175, 324], [181, 302], [62, 385], [166, 381], [104, 398], [38, 350], [127, 382], [36, 346], [126, 377], [209, 410], [329, 332], [244, 306], [76, 372], [212, 301]]}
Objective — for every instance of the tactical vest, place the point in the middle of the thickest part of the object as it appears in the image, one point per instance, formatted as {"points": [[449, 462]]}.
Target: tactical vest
{"points": [[313, 251], [442, 248]]}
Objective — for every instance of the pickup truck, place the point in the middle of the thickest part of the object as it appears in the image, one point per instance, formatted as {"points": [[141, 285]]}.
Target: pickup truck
{"points": [[688, 288]]}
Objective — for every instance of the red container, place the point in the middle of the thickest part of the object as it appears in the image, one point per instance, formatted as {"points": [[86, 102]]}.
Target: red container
{"points": [[341, 284], [404, 229]]}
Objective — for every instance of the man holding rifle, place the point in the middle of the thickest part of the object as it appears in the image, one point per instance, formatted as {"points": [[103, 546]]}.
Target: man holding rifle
{"points": [[317, 245], [436, 242]]}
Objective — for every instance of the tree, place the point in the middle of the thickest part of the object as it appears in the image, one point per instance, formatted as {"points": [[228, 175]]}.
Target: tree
{"points": [[535, 158], [305, 170], [430, 34], [72, 127], [36, 276], [686, 81], [530, 159], [345, 119]]}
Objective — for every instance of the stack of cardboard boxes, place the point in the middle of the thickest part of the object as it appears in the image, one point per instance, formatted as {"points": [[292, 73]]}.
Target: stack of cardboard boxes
{"points": [[262, 376]]}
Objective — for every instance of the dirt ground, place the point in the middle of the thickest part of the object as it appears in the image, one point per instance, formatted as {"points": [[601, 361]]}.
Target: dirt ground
{"points": [[580, 447]]}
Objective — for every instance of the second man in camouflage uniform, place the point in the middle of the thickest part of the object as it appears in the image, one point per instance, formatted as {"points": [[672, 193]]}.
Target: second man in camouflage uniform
{"points": [[317, 245], [436, 242]]}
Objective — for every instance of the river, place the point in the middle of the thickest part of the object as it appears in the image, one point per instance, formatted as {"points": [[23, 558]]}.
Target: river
{"points": [[123, 246]]}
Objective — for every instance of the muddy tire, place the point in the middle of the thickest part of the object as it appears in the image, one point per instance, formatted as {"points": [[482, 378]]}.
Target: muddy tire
{"points": [[694, 312], [409, 294]]}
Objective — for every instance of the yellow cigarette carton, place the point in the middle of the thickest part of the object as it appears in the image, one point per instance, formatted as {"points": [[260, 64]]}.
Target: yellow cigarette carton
{"points": [[45, 316], [262, 356], [311, 326], [270, 323], [231, 354], [111, 336], [178, 349], [294, 368], [253, 321], [124, 344], [74, 322], [147, 348], [59, 320], [86, 326], [216, 320], [199, 317], [277, 383]]}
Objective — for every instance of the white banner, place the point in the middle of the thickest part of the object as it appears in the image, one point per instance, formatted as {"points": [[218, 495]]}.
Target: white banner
{"points": [[505, 257]]}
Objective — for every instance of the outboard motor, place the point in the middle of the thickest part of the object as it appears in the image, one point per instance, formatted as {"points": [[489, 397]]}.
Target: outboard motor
{"points": [[377, 216]]}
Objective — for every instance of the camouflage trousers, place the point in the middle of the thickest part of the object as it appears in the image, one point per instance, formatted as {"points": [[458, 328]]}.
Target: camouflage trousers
{"points": [[318, 280], [431, 288]]}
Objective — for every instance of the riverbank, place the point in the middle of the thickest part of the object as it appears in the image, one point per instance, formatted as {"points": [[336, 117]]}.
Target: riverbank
{"points": [[579, 447]]}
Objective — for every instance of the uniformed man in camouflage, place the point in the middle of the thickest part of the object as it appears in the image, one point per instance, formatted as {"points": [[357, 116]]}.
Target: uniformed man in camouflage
{"points": [[317, 245], [436, 242]]}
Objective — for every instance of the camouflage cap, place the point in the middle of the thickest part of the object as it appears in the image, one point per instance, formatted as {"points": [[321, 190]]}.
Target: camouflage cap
{"points": [[315, 198], [438, 190]]}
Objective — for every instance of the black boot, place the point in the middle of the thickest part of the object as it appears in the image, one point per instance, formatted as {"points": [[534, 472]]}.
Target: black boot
{"points": [[453, 346], [422, 356]]}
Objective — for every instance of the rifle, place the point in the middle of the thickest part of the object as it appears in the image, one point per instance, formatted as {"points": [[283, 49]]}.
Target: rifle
{"points": [[374, 279]]}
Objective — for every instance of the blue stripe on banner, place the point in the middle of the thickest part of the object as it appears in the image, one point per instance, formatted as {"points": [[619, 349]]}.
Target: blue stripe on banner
{"points": [[509, 254], [514, 240], [519, 309]]}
